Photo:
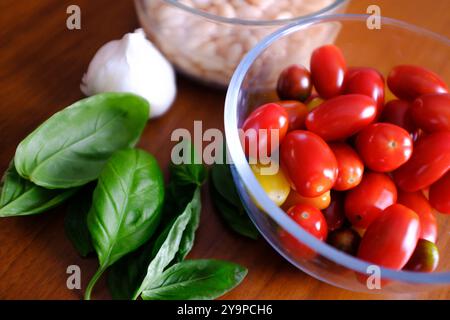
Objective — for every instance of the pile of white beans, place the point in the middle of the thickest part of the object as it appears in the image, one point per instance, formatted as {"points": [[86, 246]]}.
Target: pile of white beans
{"points": [[210, 50]]}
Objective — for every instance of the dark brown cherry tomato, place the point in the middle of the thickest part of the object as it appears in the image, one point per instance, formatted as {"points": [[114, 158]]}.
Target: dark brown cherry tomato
{"points": [[431, 112], [384, 146], [294, 83], [334, 214], [367, 201], [309, 163], [429, 162], [297, 113], [328, 69], [397, 112], [365, 81], [312, 221], [391, 239], [268, 118], [346, 240], [340, 117], [350, 167], [425, 257], [417, 202], [440, 194], [409, 82]]}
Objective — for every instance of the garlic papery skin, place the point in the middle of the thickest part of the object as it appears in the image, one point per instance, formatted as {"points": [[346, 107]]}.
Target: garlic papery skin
{"points": [[132, 64]]}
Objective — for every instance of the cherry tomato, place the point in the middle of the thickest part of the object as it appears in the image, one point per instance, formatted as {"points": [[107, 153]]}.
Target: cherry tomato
{"points": [[309, 163], [409, 82], [258, 127], [312, 221], [429, 162], [297, 113], [341, 117], [391, 239], [314, 103], [334, 214], [350, 167], [425, 257], [294, 83], [440, 194], [365, 81], [365, 203], [397, 112], [384, 146], [417, 202], [346, 240], [431, 112], [320, 202], [328, 69], [276, 186]]}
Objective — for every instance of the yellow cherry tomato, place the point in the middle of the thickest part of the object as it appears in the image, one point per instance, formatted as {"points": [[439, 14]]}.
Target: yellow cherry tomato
{"points": [[276, 185], [321, 202], [314, 103]]}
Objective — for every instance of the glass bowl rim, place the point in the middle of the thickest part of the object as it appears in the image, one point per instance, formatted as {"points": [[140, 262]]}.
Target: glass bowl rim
{"points": [[250, 182], [250, 22]]}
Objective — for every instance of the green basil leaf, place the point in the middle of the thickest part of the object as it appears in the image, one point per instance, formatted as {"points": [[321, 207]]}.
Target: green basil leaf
{"points": [[71, 148], [195, 280], [168, 249], [20, 197], [75, 222], [191, 171], [234, 216], [126, 206], [223, 182]]}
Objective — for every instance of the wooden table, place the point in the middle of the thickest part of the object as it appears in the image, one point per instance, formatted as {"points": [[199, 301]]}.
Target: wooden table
{"points": [[41, 65]]}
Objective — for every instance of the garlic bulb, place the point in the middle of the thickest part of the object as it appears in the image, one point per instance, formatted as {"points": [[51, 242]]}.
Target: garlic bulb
{"points": [[132, 64]]}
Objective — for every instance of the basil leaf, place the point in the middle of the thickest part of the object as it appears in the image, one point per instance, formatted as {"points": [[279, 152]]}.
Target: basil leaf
{"points": [[191, 171], [71, 148], [75, 222], [223, 182], [235, 217], [195, 280], [20, 197], [126, 207]]}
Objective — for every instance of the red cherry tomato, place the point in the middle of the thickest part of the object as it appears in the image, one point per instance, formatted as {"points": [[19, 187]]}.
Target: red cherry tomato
{"points": [[365, 203], [365, 81], [334, 214], [440, 194], [268, 118], [429, 162], [297, 113], [328, 69], [350, 167], [309, 163], [391, 239], [341, 117], [294, 83], [312, 221], [431, 112], [397, 112], [383, 146], [409, 82], [417, 202]]}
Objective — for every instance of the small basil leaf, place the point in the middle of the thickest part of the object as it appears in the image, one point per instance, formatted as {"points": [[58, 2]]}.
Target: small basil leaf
{"points": [[168, 249], [20, 197], [189, 172], [223, 182], [71, 148], [75, 222], [195, 280], [234, 216], [126, 206]]}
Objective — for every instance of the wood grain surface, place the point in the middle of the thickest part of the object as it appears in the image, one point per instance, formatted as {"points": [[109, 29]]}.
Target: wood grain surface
{"points": [[41, 64]]}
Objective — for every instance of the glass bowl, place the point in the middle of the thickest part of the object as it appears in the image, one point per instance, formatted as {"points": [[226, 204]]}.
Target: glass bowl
{"points": [[206, 39], [395, 43]]}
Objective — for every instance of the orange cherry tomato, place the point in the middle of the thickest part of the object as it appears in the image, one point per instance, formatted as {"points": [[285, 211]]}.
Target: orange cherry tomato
{"points": [[297, 113], [319, 202], [350, 167]]}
